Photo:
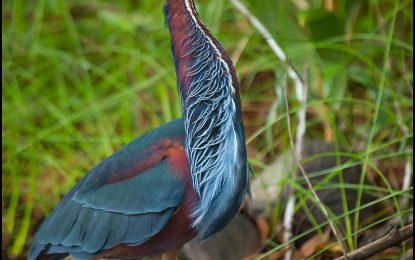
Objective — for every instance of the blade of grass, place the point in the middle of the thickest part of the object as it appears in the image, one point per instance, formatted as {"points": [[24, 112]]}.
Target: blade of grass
{"points": [[376, 113]]}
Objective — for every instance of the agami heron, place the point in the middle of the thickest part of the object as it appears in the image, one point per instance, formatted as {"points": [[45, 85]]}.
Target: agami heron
{"points": [[185, 179]]}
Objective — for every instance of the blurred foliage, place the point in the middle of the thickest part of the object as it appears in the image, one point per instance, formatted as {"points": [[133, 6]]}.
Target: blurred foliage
{"points": [[82, 78]]}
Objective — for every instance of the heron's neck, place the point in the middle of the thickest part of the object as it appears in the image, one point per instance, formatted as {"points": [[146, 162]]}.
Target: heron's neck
{"points": [[214, 142], [183, 21]]}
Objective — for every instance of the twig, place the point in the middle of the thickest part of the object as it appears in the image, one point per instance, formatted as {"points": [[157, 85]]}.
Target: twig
{"points": [[310, 186], [288, 217], [300, 94], [302, 115], [393, 238], [300, 133], [406, 183], [407, 180], [301, 97], [272, 44]]}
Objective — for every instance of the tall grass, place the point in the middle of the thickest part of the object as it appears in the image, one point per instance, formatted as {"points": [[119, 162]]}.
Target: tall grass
{"points": [[82, 78]]}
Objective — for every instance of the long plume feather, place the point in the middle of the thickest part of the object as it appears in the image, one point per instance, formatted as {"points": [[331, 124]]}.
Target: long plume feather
{"points": [[209, 121]]}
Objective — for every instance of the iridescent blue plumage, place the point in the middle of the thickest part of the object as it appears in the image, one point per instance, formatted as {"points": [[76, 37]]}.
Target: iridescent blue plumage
{"points": [[215, 144], [184, 179], [97, 215]]}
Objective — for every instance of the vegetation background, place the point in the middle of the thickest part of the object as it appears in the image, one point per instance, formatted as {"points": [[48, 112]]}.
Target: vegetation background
{"points": [[82, 78]]}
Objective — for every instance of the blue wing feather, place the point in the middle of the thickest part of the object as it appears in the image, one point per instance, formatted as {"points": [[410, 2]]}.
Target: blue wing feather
{"points": [[96, 215], [109, 197]]}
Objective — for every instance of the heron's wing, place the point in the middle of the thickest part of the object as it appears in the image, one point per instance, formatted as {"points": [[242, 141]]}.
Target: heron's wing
{"points": [[126, 199]]}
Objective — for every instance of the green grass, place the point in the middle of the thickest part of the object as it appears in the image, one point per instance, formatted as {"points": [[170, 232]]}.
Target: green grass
{"points": [[81, 79]]}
